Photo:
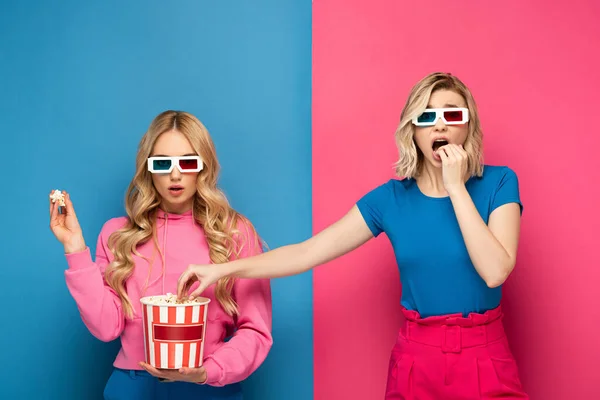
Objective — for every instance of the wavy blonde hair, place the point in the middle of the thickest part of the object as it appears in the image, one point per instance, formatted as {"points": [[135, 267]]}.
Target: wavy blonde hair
{"points": [[210, 209], [410, 160]]}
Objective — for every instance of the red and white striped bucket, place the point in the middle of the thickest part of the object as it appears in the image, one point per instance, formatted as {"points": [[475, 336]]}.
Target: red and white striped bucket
{"points": [[174, 332]]}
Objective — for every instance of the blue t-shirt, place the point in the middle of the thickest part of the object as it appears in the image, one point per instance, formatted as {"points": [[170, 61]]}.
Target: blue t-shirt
{"points": [[436, 272]]}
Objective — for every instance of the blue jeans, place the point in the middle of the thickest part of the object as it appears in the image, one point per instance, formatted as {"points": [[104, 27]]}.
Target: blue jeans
{"points": [[134, 385]]}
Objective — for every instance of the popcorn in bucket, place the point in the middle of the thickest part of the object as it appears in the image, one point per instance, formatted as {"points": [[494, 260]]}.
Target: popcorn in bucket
{"points": [[174, 331]]}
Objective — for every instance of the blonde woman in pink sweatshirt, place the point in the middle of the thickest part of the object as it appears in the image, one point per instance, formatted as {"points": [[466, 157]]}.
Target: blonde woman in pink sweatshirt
{"points": [[176, 216]]}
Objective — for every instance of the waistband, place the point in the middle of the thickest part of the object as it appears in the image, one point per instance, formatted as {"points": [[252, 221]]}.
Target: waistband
{"points": [[453, 332]]}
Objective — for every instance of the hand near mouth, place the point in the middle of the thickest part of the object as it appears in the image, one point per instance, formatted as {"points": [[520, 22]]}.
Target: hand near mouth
{"points": [[454, 166]]}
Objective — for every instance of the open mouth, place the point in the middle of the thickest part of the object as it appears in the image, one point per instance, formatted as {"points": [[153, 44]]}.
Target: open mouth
{"points": [[176, 189], [438, 143]]}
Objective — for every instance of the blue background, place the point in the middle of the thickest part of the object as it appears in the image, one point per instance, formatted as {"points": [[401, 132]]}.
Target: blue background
{"points": [[80, 83]]}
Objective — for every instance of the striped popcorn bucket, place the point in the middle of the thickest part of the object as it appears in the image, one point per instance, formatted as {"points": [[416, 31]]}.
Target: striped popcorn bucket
{"points": [[173, 332]]}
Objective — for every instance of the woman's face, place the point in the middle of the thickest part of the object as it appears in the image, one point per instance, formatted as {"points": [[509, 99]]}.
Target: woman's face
{"points": [[430, 138], [176, 188]]}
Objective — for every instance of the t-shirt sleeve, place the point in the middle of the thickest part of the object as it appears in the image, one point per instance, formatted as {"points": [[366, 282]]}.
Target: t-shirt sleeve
{"points": [[507, 190], [372, 207]]}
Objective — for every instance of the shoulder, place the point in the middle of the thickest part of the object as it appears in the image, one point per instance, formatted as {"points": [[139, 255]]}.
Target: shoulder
{"points": [[498, 171], [386, 193], [246, 238], [502, 184], [494, 175], [398, 187], [395, 184], [243, 226], [113, 225], [390, 189], [374, 203]]}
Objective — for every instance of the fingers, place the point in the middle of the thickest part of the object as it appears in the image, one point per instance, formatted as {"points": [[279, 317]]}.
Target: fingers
{"points": [[187, 287], [184, 282], [443, 153], [153, 371], [458, 152], [51, 203], [70, 211], [150, 369], [53, 212], [199, 290], [183, 374], [56, 219], [57, 212], [452, 153]]}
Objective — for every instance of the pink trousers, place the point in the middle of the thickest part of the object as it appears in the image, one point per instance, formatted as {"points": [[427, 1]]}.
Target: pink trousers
{"points": [[450, 357]]}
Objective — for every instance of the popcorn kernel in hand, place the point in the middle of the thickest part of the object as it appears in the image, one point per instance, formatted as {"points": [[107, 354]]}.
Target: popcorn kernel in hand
{"points": [[57, 195]]}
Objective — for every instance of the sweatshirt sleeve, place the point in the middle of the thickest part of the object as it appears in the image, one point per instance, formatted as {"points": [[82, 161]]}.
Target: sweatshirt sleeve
{"points": [[238, 358], [98, 304]]}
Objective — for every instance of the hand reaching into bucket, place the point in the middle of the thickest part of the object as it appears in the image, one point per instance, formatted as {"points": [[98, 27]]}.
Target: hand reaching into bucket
{"points": [[194, 375], [206, 275], [65, 225]]}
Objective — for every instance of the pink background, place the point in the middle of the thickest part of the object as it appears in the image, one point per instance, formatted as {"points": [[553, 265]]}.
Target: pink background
{"points": [[534, 70]]}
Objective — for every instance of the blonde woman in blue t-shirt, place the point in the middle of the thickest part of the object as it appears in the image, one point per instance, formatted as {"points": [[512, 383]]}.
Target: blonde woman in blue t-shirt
{"points": [[454, 227]]}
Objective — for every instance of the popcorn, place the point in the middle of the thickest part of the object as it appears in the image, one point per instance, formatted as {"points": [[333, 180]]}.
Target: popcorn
{"points": [[57, 195], [171, 298]]}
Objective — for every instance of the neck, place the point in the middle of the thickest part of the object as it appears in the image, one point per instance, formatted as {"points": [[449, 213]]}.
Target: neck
{"points": [[175, 209]]}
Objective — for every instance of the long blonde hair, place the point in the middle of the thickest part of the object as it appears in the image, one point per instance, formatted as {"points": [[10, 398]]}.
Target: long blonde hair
{"points": [[410, 157], [211, 210]]}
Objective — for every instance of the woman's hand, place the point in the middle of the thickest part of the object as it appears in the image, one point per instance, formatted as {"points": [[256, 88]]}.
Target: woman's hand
{"points": [[194, 375], [454, 166], [206, 275], [66, 227]]}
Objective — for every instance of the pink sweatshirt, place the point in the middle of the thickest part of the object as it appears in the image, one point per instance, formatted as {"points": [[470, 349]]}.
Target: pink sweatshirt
{"points": [[183, 242]]}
